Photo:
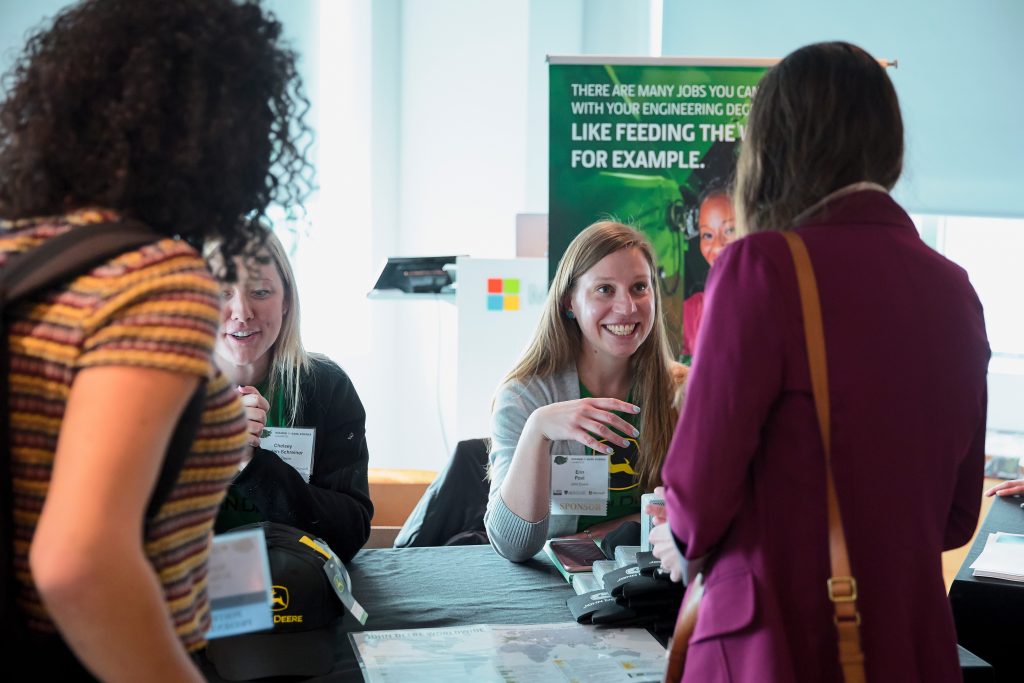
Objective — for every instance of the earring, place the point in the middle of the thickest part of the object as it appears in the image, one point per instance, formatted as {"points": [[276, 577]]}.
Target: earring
{"points": [[569, 315]]}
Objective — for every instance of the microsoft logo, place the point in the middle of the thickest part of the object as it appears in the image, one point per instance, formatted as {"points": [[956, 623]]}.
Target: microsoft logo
{"points": [[502, 294]]}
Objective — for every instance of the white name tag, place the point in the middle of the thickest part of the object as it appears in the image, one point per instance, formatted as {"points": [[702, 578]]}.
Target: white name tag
{"points": [[239, 584], [579, 485], [294, 445]]}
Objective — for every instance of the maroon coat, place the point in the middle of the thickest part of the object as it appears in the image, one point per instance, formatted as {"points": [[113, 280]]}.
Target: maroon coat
{"points": [[907, 358]]}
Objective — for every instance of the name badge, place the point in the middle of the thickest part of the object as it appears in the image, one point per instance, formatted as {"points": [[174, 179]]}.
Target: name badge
{"points": [[239, 585], [579, 485], [294, 445]]}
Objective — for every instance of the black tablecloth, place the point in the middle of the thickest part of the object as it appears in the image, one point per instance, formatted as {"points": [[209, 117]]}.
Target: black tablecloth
{"points": [[410, 588], [989, 613]]}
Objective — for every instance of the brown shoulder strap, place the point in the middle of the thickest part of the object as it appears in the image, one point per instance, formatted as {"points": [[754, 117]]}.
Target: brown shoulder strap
{"points": [[842, 587]]}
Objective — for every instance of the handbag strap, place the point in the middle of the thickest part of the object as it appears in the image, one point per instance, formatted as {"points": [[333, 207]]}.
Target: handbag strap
{"points": [[842, 587]]}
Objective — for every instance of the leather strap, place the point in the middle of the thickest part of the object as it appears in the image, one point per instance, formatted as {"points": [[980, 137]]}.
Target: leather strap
{"points": [[686, 624], [842, 587]]}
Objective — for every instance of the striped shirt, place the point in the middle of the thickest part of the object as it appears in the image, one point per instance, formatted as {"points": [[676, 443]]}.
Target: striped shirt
{"points": [[155, 307]]}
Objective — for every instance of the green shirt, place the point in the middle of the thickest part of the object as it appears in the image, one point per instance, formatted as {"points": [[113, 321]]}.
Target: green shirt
{"points": [[623, 486], [237, 510]]}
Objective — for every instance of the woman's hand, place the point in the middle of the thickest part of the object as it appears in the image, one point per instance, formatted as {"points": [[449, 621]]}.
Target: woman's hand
{"points": [[1007, 488], [586, 420], [255, 408], [662, 544], [526, 490]]}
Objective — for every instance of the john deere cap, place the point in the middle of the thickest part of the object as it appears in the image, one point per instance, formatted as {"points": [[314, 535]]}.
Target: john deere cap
{"points": [[304, 605]]}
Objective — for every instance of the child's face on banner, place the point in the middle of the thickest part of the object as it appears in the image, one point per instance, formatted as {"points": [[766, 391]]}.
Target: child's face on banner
{"points": [[613, 303], [717, 223]]}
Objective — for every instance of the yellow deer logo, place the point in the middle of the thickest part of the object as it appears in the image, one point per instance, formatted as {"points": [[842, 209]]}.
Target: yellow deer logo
{"points": [[280, 599]]}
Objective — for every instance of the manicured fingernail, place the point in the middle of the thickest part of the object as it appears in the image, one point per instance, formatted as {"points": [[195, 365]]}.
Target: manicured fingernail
{"points": [[609, 450], [636, 409], [636, 432]]}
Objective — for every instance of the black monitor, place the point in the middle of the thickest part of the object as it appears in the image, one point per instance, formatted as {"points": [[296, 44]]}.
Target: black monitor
{"points": [[415, 274]]}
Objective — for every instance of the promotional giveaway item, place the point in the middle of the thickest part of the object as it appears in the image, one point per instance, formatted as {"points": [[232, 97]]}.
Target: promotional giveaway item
{"points": [[629, 592], [311, 591], [630, 595]]}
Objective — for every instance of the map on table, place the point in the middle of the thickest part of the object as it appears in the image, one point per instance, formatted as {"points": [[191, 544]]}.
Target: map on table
{"points": [[508, 653]]}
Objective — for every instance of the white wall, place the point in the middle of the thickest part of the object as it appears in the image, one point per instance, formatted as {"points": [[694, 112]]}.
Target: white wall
{"points": [[472, 127]]}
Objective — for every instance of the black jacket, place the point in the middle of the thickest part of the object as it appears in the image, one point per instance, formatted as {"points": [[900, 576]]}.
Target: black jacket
{"points": [[335, 505]]}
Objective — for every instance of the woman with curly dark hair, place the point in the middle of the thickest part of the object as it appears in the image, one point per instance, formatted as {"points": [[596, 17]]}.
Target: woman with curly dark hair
{"points": [[184, 116]]}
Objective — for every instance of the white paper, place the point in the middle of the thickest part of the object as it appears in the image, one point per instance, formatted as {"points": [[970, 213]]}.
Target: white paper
{"points": [[1001, 558], [579, 485], [294, 445], [493, 653], [239, 584]]}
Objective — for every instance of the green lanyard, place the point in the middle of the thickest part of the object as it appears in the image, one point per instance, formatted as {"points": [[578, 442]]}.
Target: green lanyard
{"points": [[276, 414], [631, 418], [623, 499], [237, 509]]}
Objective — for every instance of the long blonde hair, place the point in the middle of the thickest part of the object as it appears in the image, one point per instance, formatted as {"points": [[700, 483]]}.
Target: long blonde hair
{"points": [[289, 359], [558, 342]]}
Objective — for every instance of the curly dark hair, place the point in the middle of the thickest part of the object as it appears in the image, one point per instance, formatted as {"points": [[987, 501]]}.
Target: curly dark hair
{"points": [[186, 115]]}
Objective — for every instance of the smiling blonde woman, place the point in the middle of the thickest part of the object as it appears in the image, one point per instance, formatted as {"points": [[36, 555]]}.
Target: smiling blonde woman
{"points": [[260, 350]]}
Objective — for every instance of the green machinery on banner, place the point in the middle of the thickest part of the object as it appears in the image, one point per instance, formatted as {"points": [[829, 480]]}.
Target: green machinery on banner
{"points": [[651, 142]]}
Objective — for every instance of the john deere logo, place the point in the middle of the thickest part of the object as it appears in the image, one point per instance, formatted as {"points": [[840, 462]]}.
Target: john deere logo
{"points": [[621, 475], [280, 601], [561, 459], [265, 433]]}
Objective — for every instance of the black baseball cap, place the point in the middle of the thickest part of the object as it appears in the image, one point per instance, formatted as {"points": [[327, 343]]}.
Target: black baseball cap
{"points": [[305, 608]]}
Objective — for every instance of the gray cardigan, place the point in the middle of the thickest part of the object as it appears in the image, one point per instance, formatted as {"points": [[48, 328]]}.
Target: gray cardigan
{"points": [[512, 536]]}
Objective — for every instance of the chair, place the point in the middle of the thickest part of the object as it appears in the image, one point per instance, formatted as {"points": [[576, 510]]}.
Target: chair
{"points": [[451, 511]]}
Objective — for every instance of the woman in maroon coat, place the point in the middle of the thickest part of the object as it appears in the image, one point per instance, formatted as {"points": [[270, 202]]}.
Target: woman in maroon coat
{"points": [[907, 357]]}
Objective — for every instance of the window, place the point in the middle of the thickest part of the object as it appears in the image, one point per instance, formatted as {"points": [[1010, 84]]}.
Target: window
{"points": [[991, 250]]}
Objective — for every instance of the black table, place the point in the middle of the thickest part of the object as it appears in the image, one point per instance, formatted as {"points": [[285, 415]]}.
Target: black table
{"points": [[989, 613], [412, 588]]}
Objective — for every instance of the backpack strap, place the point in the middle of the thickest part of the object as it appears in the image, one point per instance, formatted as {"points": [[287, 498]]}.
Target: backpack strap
{"points": [[55, 261], [70, 254]]}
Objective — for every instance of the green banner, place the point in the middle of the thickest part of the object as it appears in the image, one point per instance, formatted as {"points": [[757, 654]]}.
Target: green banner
{"points": [[654, 146]]}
